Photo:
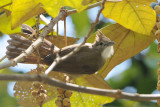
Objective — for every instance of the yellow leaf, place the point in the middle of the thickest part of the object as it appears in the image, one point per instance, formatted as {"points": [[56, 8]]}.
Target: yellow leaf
{"points": [[5, 2], [94, 80], [128, 44], [53, 6], [77, 4], [50, 103], [114, 0], [5, 25], [80, 99], [132, 14], [88, 100], [23, 10]]}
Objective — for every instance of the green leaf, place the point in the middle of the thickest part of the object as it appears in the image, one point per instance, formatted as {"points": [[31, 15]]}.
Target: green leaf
{"points": [[82, 25], [132, 14], [22, 10], [5, 24], [128, 44]]}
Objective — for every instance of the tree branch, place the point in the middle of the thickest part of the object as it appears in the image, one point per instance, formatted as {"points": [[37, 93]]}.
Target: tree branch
{"points": [[58, 60], [5, 5], [37, 43], [89, 7], [104, 92]]}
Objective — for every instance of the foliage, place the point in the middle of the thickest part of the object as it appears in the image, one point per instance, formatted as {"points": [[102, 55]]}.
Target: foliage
{"points": [[135, 15], [5, 99], [133, 33]]}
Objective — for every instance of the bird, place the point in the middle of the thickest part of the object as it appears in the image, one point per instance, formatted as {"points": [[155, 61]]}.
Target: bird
{"points": [[89, 59]]}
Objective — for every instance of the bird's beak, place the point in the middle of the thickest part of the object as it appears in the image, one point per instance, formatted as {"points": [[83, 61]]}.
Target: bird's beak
{"points": [[110, 43]]}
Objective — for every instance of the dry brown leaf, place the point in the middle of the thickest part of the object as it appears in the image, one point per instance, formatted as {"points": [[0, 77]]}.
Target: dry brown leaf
{"points": [[59, 41], [23, 90]]}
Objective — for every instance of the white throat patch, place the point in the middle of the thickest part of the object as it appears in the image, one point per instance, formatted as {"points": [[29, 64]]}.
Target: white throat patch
{"points": [[107, 52]]}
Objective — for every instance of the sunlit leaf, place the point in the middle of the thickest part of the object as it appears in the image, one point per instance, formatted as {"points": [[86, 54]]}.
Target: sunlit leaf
{"points": [[77, 4], [23, 10], [128, 44], [81, 99], [53, 6], [132, 14], [88, 100], [5, 2], [94, 80], [114, 0], [50, 103], [5, 24]]}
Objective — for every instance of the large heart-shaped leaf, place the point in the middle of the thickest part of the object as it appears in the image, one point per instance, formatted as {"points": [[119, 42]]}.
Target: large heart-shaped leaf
{"points": [[128, 44], [136, 15], [22, 10]]}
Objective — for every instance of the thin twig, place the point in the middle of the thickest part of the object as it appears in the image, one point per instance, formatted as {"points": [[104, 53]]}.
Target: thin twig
{"points": [[119, 94], [37, 26], [5, 5], [65, 37], [3, 58], [89, 7], [37, 43], [58, 60]]}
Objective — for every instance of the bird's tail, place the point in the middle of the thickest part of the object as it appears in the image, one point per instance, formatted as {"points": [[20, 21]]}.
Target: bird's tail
{"points": [[18, 44]]}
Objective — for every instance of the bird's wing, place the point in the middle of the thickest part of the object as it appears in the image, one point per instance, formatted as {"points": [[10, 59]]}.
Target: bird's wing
{"points": [[82, 62], [18, 44]]}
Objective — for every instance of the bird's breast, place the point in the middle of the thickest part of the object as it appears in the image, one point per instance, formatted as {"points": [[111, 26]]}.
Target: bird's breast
{"points": [[107, 52]]}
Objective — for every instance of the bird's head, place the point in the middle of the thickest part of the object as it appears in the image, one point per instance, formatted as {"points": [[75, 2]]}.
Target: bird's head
{"points": [[104, 44], [102, 41]]}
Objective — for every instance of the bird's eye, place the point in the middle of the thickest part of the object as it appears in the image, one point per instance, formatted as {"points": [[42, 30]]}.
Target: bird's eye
{"points": [[101, 43]]}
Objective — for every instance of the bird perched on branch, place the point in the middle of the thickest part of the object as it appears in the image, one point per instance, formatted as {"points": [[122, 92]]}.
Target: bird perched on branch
{"points": [[89, 59]]}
